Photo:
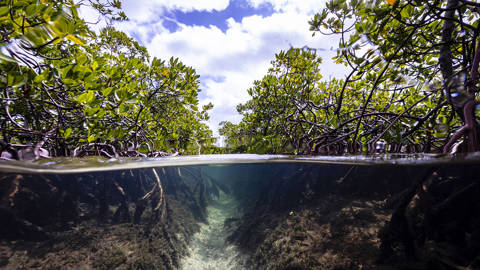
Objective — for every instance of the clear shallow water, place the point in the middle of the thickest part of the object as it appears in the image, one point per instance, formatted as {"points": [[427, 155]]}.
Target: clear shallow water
{"points": [[233, 211]]}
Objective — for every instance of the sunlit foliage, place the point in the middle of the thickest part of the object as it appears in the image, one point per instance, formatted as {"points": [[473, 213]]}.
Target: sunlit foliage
{"points": [[74, 92], [411, 86]]}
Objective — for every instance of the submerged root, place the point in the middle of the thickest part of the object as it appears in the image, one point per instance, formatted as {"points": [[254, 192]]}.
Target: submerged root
{"points": [[161, 205], [157, 201], [435, 224], [54, 221]]}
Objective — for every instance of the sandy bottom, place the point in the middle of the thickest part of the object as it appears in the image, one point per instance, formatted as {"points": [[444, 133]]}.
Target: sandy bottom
{"points": [[209, 249]]}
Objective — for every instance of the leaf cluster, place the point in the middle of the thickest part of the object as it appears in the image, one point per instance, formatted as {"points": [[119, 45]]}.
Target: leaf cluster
{"points": [[73, 92], [412, 71]]}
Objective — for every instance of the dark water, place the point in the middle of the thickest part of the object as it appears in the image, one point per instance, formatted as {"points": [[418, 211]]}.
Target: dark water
{"points": [[241, 212]]}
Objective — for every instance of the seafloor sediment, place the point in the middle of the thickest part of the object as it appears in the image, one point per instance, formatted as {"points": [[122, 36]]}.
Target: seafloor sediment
{"points": [[90, 245], [140, 219], [362, 217], [209, 248], [334, 234]]}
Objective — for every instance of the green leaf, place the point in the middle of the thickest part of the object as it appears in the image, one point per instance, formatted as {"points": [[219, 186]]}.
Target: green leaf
{"points": [[69, 82], [75, 40], [20, 3], [67, 133], [30, 10], [4, 10], [107, 91], [91, 138], [10, 79], [86, 97], [64, 71], [81, 59], [40, 78]]}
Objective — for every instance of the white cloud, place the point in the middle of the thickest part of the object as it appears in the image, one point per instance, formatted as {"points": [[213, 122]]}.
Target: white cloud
{"points": [[148, 10], [229, 61], [240, 55], [302, 6]]}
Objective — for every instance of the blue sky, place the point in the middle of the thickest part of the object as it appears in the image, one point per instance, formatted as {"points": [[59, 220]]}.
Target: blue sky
{"points": [[229, 42], [236, 9]]}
